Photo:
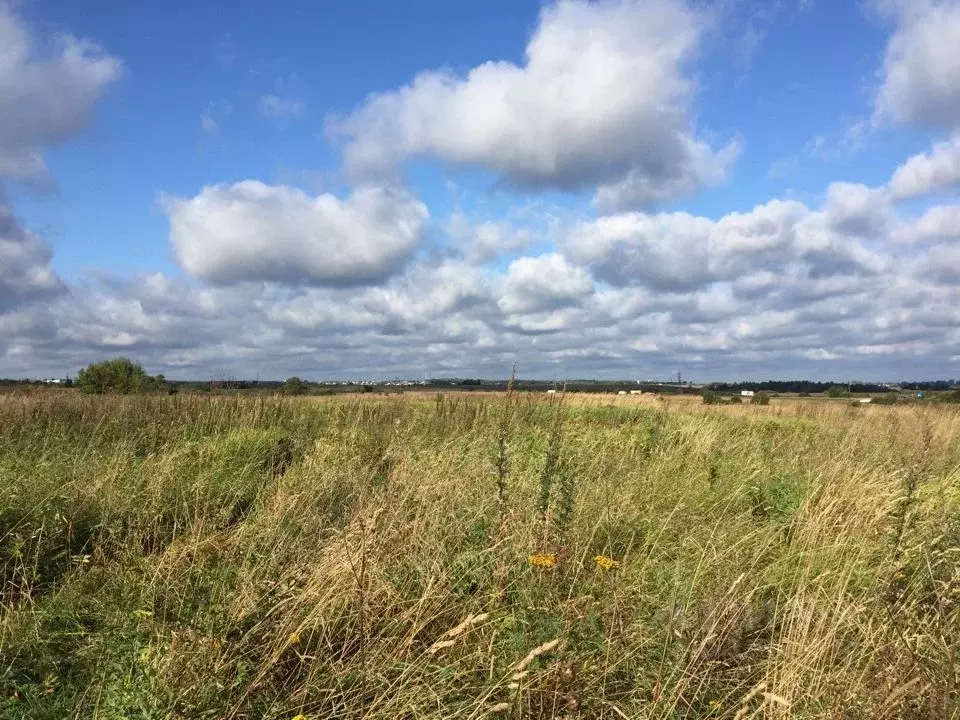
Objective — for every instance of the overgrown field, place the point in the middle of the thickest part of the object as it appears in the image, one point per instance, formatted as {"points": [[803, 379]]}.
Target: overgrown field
{"points": [[468, 557]]}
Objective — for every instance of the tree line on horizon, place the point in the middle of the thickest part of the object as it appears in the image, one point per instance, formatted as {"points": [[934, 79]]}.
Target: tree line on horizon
{"points": [[125, 376]]}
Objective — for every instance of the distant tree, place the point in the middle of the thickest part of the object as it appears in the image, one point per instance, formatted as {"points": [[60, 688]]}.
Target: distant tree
{"points": [[761, 398], [120, 375], [294, 386], [837, 391]]}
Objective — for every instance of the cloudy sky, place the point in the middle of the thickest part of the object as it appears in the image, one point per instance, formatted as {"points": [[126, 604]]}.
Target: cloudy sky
{"points": [[616, 188]]}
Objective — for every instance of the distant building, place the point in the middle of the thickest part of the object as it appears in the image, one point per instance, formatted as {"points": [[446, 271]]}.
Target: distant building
{"points": [[551, 392], [622, 392], [864, 401], [746, 393], [636, 392]]}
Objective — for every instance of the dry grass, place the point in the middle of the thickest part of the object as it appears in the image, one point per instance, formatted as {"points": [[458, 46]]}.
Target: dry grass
{"points": [[219, 557]]}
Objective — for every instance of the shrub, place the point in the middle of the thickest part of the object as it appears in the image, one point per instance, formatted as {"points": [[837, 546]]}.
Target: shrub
{"points": [[761, 398], [120, 375], [294, 386], [711, 397]]}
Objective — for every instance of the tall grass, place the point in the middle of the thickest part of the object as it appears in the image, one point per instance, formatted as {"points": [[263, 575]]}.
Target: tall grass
{"points": [[222, 557]]}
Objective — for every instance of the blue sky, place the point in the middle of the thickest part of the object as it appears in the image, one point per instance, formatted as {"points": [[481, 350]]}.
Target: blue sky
{"points": [[617, 188]]}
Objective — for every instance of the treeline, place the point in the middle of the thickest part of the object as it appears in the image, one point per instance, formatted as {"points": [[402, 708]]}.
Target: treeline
{"points": [[19, 382], [798, 386]]}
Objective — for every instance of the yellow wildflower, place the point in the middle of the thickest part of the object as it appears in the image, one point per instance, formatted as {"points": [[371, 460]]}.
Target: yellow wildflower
{"points": [[300, 717], [715, 704], [294, 639], [606, 563], [544, 560]]}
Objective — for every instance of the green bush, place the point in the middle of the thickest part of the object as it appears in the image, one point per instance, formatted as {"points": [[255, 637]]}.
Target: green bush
{"points": [[761, 398], [711, 397], [120, 375], [295, 386]]}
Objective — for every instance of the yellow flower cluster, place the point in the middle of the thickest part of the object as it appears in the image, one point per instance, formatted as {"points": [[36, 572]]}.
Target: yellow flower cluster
{"points": [[294, 639], [544, 560], [606, 563]]}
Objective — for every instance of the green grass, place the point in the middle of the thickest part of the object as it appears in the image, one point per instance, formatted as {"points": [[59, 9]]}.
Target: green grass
{"points": [[223, 557]]}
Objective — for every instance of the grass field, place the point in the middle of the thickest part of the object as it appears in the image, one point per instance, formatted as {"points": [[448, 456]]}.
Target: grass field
{"points": [[466, 557]]}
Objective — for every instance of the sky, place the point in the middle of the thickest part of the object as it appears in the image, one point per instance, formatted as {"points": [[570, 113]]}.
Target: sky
{"points": [[731, 189]]}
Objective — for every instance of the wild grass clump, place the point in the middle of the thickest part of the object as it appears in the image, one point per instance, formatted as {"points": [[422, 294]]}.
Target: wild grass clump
{"points": [[490, 556]]}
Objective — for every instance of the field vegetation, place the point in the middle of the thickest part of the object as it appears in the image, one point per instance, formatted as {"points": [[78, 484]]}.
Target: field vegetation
{"points": [[473, 556]]}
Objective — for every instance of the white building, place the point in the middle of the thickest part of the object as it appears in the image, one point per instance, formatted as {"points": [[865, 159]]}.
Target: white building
{"points": [[746, 393]]}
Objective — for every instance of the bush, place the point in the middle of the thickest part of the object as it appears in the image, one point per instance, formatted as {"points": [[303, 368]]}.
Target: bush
{"points": [[120, 375], [761, 398], [710, 397], [837, 391], [294, 386]]}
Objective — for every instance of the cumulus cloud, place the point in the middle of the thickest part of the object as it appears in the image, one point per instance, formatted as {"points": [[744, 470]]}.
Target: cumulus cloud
{"points": [[602, 101], [855, 209], [25, 273], [678, 252], [939, 223], [47, 96], [928, 173], [920, 78], [485, 240], [250, 231], [48, 92], [543, 284]]}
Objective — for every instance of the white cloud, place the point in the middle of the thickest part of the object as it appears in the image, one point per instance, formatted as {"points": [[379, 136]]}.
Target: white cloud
{"points": [[928, 173], [543, 284], [855, 209], [47, 96], [940, 264], [274, 106], [602, 102], [939, 223], [250, 231], [25, 273], [48, 91], [485, 240], [920, 78], [680, 252]]}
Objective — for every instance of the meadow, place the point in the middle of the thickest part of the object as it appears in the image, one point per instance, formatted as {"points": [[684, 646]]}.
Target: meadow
{"points": [[476, 556]]}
